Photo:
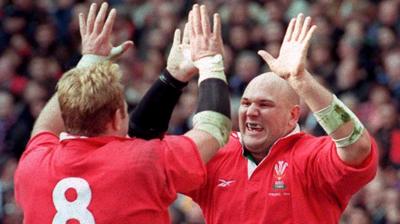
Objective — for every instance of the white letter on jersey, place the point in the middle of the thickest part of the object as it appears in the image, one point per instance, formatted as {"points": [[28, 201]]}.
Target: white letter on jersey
{"points": [[77, 209]]}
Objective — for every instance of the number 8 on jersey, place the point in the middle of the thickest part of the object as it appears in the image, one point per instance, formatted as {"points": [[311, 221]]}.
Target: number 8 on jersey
{"points": [[77, 209]]}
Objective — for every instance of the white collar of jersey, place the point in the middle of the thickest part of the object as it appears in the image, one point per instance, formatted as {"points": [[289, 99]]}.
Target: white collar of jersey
{"points": [[66, 136]]}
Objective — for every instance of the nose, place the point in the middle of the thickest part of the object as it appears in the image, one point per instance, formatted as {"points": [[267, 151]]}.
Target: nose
{"points": [[252, 110]]}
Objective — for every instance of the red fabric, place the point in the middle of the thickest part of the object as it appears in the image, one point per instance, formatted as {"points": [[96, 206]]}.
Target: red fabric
{"points": [[395, 147], [302, 180], [18, 84], [129, 180]]}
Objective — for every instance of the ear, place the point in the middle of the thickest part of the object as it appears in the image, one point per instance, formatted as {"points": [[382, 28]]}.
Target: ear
{"points": [[294, 115], [117, 120]]}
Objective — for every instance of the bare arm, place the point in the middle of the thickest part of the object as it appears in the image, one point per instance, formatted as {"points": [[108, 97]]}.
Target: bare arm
{"points": [[290, 65], [49, 118]]}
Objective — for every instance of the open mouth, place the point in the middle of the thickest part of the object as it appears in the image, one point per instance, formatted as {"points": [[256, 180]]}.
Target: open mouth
{"points": [[253, 127]]}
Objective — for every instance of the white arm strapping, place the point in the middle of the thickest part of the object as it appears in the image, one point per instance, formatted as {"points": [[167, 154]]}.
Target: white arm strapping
{"points": [[211, 67], [215, 124], [334, 116]]}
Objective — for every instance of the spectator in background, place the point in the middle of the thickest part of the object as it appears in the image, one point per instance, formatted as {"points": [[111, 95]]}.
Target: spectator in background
{"points": [[391, 76], [247, 65], [388, 135], [7, 118]]}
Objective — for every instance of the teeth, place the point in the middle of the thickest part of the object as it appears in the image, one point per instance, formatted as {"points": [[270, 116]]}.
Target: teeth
{"points": [[253, 126]]}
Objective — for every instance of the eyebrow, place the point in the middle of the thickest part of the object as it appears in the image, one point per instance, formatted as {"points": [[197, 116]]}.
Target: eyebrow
{"points": [[259, 100]]}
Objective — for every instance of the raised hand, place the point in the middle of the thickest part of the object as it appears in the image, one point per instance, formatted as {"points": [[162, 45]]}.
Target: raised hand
{"points": [[290, 63], [179, 62], [203, 42], [96, 33]]}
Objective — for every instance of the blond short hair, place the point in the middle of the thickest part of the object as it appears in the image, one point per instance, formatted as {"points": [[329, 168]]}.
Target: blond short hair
{"points": [[89, 98]]}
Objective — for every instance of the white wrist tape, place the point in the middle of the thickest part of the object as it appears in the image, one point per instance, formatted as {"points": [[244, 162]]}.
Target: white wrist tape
{"points": [[334, 116], [91, 59], [211, 67], [214, 123]]}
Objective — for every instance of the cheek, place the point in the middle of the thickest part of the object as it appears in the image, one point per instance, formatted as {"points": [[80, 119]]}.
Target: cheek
{"points": [[241, 116]]}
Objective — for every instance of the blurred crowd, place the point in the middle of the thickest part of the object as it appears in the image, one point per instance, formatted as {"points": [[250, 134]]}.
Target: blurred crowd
{"points": [[355, 52]]}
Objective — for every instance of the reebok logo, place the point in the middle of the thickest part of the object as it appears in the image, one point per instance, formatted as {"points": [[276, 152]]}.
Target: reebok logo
{"points": [[225, 183]]}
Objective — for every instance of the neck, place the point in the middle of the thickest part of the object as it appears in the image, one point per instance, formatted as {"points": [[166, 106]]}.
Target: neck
{"points": [[258, 157]]}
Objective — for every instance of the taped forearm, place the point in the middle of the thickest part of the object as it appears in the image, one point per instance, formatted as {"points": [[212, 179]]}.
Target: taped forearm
{"points": [[213, 112], [334, 116], [151, 116]]}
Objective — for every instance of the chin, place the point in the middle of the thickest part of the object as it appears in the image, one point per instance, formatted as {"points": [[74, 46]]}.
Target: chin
{"points": [[253, 145]]}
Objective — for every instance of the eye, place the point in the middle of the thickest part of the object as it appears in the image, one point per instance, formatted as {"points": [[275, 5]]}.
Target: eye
{"points": [[265, 104], [245, 103]]}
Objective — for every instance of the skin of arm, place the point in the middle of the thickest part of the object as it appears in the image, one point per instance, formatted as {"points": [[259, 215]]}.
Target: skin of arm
{"points": [[290, 65], [49, 118]]}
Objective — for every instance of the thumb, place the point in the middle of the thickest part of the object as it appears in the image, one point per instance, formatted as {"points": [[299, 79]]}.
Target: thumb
{"points": [[266, 56], [126, 45], [116, 52]]}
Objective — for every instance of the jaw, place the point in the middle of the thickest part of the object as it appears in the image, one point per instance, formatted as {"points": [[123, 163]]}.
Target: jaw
{"points": [[255, 142]]}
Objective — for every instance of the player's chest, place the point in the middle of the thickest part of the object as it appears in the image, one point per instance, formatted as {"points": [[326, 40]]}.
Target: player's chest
{"points": [[266, 187]]}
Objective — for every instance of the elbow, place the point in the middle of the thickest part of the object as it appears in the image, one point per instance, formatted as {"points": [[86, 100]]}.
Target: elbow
{"points": [[356, 153]]}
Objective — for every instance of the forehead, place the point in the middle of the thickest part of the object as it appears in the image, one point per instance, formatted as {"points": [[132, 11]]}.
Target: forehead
{"points": [[265, 87]]}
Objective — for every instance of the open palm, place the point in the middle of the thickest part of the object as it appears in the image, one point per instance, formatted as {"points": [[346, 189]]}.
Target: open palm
{"points": [[179, 62], [292, 56], [96, 31]]}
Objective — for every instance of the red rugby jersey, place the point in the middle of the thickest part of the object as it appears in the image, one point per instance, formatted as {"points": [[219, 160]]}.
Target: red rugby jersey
{"points": [[104, 179], [302, 180]]}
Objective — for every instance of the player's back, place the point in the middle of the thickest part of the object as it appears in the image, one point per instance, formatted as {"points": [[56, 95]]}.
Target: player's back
{"points": [[94, 180]]}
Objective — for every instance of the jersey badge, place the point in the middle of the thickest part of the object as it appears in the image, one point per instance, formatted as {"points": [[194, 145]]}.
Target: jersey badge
{"points": [[280, 168]]}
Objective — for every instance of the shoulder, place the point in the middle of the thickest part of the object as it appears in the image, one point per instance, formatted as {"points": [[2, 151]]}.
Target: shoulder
{"points": [[43, 138], [170, 145], [308, 142], [177, 142], [42, 141], [309, 146]]}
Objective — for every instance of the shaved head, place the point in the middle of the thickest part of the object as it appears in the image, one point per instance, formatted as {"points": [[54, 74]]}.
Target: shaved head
{"points": [[270, 81], [269, 110]]}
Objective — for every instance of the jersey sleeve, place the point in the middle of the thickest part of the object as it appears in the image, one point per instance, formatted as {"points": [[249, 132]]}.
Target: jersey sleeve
{"points": [[184, 168], [331, 175], [42, 140]]}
